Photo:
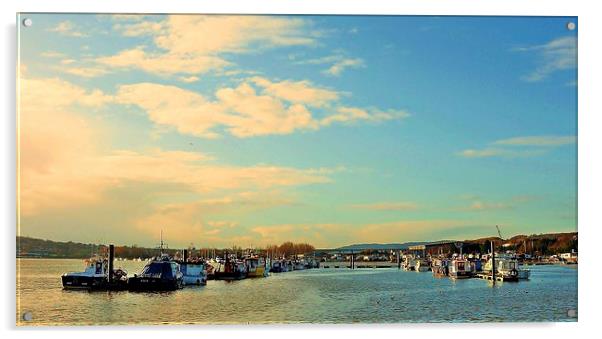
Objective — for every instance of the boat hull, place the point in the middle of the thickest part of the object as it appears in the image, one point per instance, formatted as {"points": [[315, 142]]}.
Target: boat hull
{"points": [[259, 272], [83, 283], [460, 275], [230, 275], [154, 284], [195, 280]]}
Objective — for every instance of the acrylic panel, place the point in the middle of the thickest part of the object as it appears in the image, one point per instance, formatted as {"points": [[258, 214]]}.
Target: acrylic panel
{"points": [[234, 169]]}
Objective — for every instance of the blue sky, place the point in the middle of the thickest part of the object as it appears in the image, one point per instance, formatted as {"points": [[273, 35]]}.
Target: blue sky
{"points": [[327, 129]]}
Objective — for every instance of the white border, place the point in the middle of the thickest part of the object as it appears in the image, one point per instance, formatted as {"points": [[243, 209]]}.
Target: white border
{"points": [[589, 156]]}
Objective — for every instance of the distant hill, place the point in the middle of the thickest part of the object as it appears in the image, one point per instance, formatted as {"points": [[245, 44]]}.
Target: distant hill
{"points": [[373, 246], [38, 248], [543, 244]]}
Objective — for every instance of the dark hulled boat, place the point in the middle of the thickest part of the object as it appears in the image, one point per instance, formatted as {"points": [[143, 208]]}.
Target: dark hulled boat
{"points": [[230, 269], [159, 274]]}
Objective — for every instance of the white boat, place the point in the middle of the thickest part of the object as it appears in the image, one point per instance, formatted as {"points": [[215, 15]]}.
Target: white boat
{"points": [[506, 268], [409, 263], [299, 265], [95, 276], [195, 273], [460, 269]]}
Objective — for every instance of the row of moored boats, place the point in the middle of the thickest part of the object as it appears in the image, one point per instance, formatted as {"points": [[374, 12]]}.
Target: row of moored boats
{"points": [[165, 273], [507, 267]]}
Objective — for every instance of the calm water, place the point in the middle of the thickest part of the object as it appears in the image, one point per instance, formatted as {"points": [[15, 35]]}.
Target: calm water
{"points": [[311, 296]]}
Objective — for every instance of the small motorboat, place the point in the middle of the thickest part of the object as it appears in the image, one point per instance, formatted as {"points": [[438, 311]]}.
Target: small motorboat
{"points": [[409, 263], [159, 274], [256, 267], [230, 269], [299, 265], [194, 272], [440, 267], [278, 266], [506, 268], [95, 276], [460, 269]]}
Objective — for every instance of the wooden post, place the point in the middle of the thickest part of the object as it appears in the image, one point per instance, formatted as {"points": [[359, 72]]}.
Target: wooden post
{"points": [[111, 258], [398, 260], [185, 255]]}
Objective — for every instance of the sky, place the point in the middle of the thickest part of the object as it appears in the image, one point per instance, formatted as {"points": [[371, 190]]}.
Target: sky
{"points": [[331, 130]]}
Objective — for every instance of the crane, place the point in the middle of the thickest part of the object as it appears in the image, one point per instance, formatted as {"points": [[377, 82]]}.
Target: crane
{"points": [[498, 231]]}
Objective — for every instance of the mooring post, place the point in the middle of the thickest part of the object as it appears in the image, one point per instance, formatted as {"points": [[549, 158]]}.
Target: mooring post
{"points": [[398, 260], [111, 258], [492, 262]]}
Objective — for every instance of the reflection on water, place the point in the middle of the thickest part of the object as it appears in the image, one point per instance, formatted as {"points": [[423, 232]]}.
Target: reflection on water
{"points": [[311, 296]]}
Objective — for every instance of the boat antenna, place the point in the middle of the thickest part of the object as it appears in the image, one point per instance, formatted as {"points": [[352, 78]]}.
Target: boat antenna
{"points": [[161, 244]]}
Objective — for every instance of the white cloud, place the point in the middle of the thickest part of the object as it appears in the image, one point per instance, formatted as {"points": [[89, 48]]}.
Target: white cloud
{"points": [[540, 141], [189, 79], [339, 63], [66, 28], [277, 108], [527, 146], [354, 114], [192, 44], [300, 92], [557, 55], [338, 67], [163, 63]]}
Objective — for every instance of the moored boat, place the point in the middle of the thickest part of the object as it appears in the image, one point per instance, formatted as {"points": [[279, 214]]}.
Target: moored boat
{"points": [[95, 276], [506, 268], [278, 266], [230, 269], [409, 263], [256, 267], [159, 274], [460, 269], [299, 265], [194, 272], [440, 267]]}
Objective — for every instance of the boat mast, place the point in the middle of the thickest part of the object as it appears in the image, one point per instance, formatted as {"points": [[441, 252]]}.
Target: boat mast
{"points": [[161, 243]]}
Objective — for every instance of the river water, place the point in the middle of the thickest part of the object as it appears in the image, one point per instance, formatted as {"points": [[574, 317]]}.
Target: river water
{"points": [[311, 296]]}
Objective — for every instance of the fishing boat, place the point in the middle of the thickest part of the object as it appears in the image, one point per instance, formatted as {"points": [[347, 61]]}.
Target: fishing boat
{"points": [[159, 274], [299, 265], [314, 263], [256, 267], [506, 268], [95, 276], [278, 266], [460, 269], [194, 272], [230, 269], [440, 267]]}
